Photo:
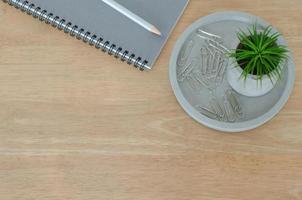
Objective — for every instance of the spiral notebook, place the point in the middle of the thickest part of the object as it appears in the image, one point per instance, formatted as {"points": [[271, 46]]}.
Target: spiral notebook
{"points": [[99, 25]]}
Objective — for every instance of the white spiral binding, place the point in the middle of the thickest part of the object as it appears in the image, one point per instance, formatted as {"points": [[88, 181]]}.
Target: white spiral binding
{"points": [[79, 33]]}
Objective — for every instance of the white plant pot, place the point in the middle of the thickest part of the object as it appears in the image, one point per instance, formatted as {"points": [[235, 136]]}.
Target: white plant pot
{"points": [[251, 86]]}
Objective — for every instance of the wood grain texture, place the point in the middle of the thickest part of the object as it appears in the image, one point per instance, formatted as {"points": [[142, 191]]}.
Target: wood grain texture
{"points": [[76, 124]]}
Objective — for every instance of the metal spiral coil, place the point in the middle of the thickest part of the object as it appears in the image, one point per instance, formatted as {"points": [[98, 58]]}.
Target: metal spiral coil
{"points": [[79, 33]]}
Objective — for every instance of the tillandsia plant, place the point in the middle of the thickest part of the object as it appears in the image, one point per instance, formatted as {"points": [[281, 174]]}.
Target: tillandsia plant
{"points": [[259, 54]]}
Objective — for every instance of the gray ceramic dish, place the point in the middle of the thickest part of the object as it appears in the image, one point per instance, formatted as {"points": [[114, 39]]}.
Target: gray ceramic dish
{"points": [[257, 111]]}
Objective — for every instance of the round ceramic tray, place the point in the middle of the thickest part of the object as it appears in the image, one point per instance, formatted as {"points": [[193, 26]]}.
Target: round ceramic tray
{"points": [[204, 92]]}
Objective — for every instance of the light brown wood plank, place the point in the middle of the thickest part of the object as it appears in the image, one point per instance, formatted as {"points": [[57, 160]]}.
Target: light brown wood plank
{"points": [[77, 124]]}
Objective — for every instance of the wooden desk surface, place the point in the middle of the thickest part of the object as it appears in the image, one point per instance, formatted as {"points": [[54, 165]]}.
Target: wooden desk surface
{"points": [[76, 124]]}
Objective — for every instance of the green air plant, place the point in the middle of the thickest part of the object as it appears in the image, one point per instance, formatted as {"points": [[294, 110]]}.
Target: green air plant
{"points": [[259, 54]]}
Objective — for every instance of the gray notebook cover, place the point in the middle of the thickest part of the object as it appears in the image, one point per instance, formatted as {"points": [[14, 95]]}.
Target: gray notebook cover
{"points": [[100, 19]]}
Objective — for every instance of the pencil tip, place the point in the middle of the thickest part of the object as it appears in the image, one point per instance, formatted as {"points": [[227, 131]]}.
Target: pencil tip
{"points": [[156, 31]]}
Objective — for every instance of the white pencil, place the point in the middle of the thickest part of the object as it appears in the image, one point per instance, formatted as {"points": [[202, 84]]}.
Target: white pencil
{"points": [[132, 16]]}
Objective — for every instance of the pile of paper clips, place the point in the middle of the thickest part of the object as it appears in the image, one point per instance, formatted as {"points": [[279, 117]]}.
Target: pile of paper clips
{"points": [[208, 70], [228, 109]]}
